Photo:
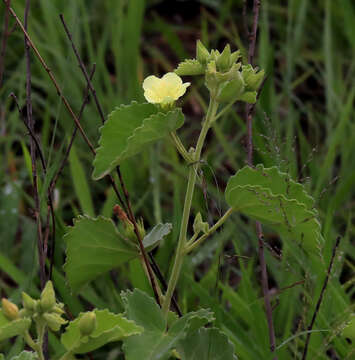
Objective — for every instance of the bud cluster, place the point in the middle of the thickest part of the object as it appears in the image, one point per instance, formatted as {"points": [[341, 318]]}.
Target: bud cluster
{"points": [[225, 77]]}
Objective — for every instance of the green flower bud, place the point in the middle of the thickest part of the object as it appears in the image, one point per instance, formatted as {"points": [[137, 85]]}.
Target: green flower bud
{"points": [[23, 313], [87, 323], [54, 321], [199, 225], [28, 303], [47, 297], [248, 97], [202, 54], [58, 309], [234, 57], [231, 90], [9, 309], [223, 61], [252, 78]]}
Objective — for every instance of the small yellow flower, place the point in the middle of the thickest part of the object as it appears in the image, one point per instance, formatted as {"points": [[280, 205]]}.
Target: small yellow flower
{"points": [[164, 91]]}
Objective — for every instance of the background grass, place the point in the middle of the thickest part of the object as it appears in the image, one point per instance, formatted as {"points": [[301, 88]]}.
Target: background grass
{"points": [[304, 123]]}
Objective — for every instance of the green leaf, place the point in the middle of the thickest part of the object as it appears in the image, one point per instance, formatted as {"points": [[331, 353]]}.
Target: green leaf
{"points": [[271, 197], [116, 131], [94, 246], [156, 342], [9, 329], [81, 185], [152, 239], [109, 328], [128, 130], [349, 330], [206, 344], [190, 67], [25, 355]]}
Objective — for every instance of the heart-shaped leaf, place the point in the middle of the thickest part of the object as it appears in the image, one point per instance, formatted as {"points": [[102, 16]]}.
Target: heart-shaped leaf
{"points": [[109, 328], [94, 246], [25, 355], [156, 342], [206, 344], [152, 239], [8, 328], [271, 197], [128, 130]]}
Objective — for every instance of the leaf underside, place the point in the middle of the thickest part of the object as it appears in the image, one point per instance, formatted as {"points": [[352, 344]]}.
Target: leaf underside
{"points": [[94, 246], [129, 130], [271, 197], [9, 329]]}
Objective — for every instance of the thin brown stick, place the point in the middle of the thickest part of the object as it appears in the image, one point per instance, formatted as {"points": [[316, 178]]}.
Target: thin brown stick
{"points": [[320, 299], [5, 35], [54, 81], [30, 125], [71, 141], [249, 120], [124, 189]]}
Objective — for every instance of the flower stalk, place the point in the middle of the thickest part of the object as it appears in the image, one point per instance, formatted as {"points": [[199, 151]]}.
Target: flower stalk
{"points": [[193, 170]]}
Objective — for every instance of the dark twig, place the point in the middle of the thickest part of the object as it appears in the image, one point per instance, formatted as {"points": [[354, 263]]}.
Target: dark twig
{"points": [[124, 189], [54, 81], [71, 141], [30, 126], [5, 35], [320, 298], [249, 119]]}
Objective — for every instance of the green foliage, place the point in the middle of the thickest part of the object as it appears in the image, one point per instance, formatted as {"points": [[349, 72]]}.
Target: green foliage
{"points": [[190, 67], [206, 344], [156, 342], [153, 238], [94, 246], [271, 197], [109, 328], [26, 355], [128, 130], [10, 328]]}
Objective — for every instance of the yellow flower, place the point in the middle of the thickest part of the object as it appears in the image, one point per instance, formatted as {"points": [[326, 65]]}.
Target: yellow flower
{"points": [[164, 91]]}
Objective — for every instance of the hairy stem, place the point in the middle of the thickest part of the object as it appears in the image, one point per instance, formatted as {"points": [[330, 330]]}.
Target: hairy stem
{"points": [[180, 251]]}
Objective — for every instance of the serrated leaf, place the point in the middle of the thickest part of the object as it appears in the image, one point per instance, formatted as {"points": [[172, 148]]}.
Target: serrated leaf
{"points": [[25, 355], [156, 342], [94, 246], [9, 329], [206, 344], [128, 130], [152, 239], [271, 197], [109, 328], [190, 67]]}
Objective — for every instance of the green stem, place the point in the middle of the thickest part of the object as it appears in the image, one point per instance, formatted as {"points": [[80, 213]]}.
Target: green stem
{"points": [[180, 147], [191, 245], [37, 347], [180, 251]]}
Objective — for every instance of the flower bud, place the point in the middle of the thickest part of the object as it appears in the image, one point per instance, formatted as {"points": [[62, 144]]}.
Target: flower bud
{"points": [[58, 309], [54, 321], [252, 78], [28, 303], [87, 323], [223, 61], [231, 90], [10, 310], [47, 297], [199, 225], [23, 313], [202, 54]]}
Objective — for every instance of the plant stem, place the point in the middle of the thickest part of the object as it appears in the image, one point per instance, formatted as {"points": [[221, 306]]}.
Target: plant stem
{"points": [[37, 347], [180, 252], [180, 147], [191, 245]]}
